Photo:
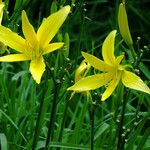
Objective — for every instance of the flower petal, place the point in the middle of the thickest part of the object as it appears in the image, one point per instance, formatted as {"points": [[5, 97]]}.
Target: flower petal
{"points": [[14, 57], [28, 30], [52, 47], [111, 87], [119, 59], [91, 82], [37, 68], [12, 39], [132, 81], [96, 62], [51, 25], [108, 48]]}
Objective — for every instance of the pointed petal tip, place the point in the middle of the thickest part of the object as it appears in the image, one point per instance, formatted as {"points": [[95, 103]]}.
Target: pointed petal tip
{"points": [[113, 32], [37, 68], [70, 88], [133, 81], [82, 52], [103, 99], [67, 7], [23, 13]]}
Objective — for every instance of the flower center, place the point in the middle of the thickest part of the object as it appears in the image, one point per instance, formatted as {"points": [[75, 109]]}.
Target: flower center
{"points": [[33, 51]]}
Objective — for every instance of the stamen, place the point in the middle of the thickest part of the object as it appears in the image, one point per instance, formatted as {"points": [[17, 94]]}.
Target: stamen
{"points": [[32, 51]]}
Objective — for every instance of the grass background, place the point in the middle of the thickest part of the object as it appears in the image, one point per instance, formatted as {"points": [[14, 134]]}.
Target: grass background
{"points": [[85, 29]]}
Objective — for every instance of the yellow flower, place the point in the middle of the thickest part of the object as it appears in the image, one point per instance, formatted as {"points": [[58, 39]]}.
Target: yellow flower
{"points": [[1, 10], [35, 44], [80, 73], [113, 72]]}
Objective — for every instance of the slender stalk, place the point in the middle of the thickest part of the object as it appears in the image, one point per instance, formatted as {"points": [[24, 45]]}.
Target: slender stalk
{"points": [[82, 20], [92, 114], [133, 53], [38, 122], [52, 116], [63, 121], [120, 144]]}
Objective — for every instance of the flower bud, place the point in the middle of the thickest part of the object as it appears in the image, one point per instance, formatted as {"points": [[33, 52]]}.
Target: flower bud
{"points": [[123, 25]]}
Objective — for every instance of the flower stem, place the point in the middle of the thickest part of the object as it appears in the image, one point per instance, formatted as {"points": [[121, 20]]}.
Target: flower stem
{"points": [[92, 113], [62, 123], [133, 53], [52, 116], [38, 122], [120, 144]]}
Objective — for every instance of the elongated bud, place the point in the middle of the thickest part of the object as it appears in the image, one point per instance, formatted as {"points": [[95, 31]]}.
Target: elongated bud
{"points": [[80, 70], [53, 7], [123, 25], [1, 10], [67, 45]]}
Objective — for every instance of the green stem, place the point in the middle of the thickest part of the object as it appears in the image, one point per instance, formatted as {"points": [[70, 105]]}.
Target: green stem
{"points": [[38, 122], [62, 123], [92, 113], [138, 60], [82, 20], [120, 144], [133, 53], [52, 116]]}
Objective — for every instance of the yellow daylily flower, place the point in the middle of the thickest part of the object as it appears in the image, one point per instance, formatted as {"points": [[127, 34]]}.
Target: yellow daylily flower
{"points": [[112, 70], [1, 10], [35, 44], [80, 73]]}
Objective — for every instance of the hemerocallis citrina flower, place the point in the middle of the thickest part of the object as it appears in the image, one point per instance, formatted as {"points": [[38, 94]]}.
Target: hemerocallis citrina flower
{"points": [[80, 73], [112, 70], [35, 45], [1, 10]]}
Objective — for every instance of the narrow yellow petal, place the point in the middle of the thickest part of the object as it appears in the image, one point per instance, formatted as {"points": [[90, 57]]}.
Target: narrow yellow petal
{"points": [[111, 87], [12, 39], [28, 30], [91, 82], [37, 68], [132, 81], [51, 25], [52, 47], [123, 25], [14, 57], [119, 59], [96, 62], [108, 48], [72, 94]]}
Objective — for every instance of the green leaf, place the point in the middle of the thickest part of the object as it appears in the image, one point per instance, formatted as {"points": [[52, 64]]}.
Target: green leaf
{"points": [[3, 141], [101, 130], [143, 140], [145, 70]]}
